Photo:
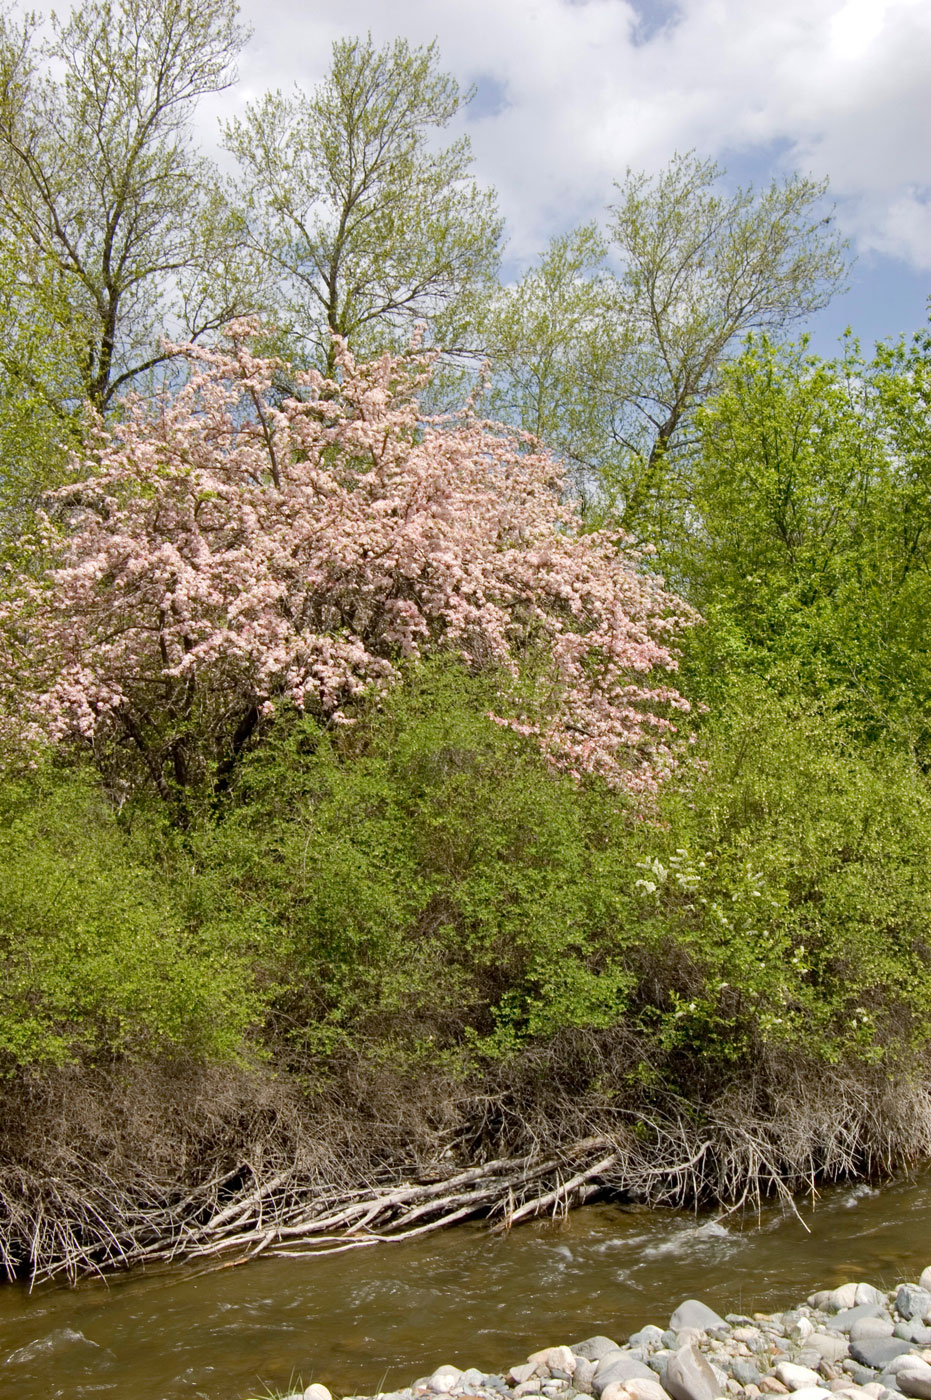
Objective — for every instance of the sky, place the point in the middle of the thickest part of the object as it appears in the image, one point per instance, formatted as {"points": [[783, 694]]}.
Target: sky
{"points": [[570, 93]]}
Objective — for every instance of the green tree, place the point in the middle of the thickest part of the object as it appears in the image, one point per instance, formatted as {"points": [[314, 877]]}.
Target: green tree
{"points": [[39, 399], [365, 225], [686, 271], [100, 188], [810, 546]]}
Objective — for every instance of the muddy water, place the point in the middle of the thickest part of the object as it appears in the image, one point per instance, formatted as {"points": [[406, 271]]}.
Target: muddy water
{"points": [[376, 1318]]}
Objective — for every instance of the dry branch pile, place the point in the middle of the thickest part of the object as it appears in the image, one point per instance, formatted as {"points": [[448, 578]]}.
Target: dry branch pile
{"points": [[223, 1169]]}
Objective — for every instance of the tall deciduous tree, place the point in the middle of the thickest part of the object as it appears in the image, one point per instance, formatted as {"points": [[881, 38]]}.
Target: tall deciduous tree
{"points": [[365, 223], [99, 183], [685, 272], [225, 555]]}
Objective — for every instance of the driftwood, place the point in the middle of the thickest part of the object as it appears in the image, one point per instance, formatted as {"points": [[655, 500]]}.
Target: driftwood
{"points": [[81, 1212]]}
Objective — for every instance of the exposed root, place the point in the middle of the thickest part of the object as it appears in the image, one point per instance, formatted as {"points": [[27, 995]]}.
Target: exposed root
{"points": [[101, 1171]]}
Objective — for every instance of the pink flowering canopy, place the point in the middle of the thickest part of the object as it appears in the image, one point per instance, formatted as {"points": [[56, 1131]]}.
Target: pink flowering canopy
{"points": [[234, 548]]}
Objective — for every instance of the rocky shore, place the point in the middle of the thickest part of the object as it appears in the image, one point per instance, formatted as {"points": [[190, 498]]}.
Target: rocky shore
{"points": [[849, 1343]]}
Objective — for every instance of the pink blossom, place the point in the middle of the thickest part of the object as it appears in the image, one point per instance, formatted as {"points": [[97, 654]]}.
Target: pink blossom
{"points": [[225, 551]]}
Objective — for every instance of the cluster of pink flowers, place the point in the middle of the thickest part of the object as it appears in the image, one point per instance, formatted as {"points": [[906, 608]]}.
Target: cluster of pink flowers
{"points": [[236, 547]]}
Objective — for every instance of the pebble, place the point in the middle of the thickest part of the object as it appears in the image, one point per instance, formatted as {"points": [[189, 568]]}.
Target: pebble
{"points": [[803, 1352]]}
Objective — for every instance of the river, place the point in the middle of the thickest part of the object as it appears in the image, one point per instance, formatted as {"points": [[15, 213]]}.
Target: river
{"points": [[376, 1318]]}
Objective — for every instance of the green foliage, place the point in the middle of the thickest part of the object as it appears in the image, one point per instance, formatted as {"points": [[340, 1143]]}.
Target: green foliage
{"points": [[38, 398], [788, 896], [420, 887], [433, 881], [366, 223], [104, 948], [434, 890], [100, 192], [614, 339], [808, 552]]}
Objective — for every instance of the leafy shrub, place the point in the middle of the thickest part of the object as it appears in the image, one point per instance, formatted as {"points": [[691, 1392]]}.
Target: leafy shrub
{"points": [[103, 950], [791, 892], [429, 883]]}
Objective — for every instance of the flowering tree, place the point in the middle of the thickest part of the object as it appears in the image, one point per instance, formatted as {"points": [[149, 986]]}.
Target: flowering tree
{"points": [[230, 550]]}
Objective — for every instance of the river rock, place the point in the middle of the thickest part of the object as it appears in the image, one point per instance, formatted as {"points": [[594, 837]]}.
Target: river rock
{"points": [[688, 1376], [877, 1352], [913, 1331], [555, 1359], [745, 1371], [316, 1392], [925, 1280], [619, 1367], [639, 1389], [795, 1377], [871, 1327], [811, 1392], [594, 1348], [447, 1378], [526, 1371], [909, 1362], [913, 1302], [843, 1297], [832, 1346], [915, 1383], [845, 1319], [647, 1336], [584, 1375], [693, 1313], [866, 1293]]}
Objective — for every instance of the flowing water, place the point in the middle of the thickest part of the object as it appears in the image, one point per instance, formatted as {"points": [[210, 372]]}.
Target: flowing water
{"points": [[376, 1318]]}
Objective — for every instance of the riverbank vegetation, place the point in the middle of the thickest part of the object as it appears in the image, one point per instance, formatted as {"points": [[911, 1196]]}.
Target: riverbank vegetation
{"points": [[513, 810]]}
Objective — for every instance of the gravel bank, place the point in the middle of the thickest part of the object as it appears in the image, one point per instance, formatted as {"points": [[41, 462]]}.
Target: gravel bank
{"points": [[853, 1343]]}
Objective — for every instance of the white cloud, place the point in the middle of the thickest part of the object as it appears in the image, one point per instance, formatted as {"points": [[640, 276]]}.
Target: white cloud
{"points": [[839, 87]]}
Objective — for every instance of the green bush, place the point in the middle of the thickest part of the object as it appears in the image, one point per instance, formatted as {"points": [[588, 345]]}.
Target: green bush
{"points": [[428, 884], [791, 893], [420, 887], [431, 882], [103, 950]]}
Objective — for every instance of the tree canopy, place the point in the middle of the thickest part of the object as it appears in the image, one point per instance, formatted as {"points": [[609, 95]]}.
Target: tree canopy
{"points": [[366, 225], [222, 553], [100, 188], [620, 332]]}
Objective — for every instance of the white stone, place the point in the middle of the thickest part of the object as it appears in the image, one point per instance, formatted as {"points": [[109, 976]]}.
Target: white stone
{"points": [[444, 1379], [908, 1362], [554, 1359], [317, 1392], [638, 1388], [812, 1392], [797, 1377], [925, 1280], [844, 1297], [866, 1293], [831, 1345]]}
